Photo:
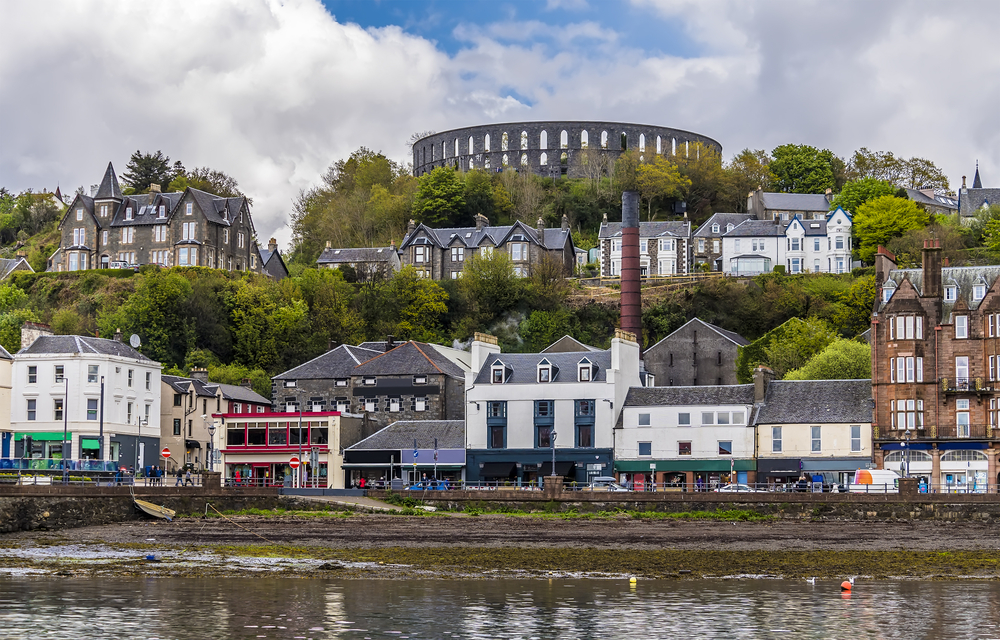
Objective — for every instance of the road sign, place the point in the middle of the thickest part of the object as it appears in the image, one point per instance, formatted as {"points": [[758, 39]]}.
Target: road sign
{"points": [[294, 462], [165, 452]]}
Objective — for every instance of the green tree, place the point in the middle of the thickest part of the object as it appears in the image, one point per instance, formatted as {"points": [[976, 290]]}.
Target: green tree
{"points": [[491, 285], [660, 179], [876, 165], [542, 328], [236, 374], [250, 310], [857, 192], [878, 221], [748, 171], [440, 199], [479, 195], [854, 315], [840, 360], [919, 173], [419, 306], [802, 169], [208, 180], [786, 347], [702, 165], [144, 169]]}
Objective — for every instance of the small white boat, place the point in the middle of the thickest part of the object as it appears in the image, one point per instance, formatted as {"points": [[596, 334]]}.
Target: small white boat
{"points": [[155, 510]]}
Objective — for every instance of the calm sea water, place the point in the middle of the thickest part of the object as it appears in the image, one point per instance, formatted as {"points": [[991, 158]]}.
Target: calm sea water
{"points": [[283, 608]]}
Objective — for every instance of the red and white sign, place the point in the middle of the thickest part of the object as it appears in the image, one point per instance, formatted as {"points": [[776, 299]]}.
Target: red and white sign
{"points": [[165, 452], [294, 462]]}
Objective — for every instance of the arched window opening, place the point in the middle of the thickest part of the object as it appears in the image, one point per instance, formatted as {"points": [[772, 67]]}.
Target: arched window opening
{"points": [[543, 159], [659, 145], [642, 142], [624, 141], [642, 158], [486, 162], [504, 141], [486, 142], [524, 159], [472, 164], [456, 147], [564, 158], [687, 150], [584, 139], [444, 150], [604, 139], [506, 163], [471, 148], [524, 141], [543, 140], [673, 146], [564, 140]]}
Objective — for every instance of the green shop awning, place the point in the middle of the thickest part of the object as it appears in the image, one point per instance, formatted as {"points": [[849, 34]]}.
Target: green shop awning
{"points": [[90, 443], [643, 466], [43, 435]]}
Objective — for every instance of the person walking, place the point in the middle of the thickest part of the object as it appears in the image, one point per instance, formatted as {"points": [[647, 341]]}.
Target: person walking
{"points": [[180, 476], [187, 478]]}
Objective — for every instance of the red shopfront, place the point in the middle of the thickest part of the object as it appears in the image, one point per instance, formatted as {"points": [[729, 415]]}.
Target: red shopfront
{"points": [[257, 448]]}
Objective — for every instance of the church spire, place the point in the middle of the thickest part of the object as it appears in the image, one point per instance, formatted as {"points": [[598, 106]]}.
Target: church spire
{"points": [[976, 182]]}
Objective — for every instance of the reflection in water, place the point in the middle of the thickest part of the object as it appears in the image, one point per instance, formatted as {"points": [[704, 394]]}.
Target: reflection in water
{"points": [[560, 608]]}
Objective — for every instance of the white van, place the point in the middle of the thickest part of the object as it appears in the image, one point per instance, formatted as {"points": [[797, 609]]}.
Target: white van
{"points": [[875, 481]]}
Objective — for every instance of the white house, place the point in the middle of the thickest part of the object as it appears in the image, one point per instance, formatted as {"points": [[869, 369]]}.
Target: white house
{"points": [[800, 245], [58, 385], [664, 248], [686, 437], [516, 402]]}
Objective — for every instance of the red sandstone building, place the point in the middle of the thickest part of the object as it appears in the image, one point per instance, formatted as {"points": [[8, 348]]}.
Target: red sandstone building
{"points": [[935, 371]]}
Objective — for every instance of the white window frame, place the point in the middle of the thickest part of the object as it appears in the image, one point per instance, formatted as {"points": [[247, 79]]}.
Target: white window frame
{"points": [[961, 327]]}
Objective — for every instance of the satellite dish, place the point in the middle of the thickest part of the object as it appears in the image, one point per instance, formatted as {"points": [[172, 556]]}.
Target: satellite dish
{"points": [[135, 341]]}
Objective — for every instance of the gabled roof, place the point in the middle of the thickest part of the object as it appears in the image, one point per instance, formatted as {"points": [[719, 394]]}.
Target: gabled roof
{"points": [[933, 200], [400, 435], [407, 359], [336, 363], [238, 393], [755, 228], [83, 345], [816, 402], [109, 186], [962, 277], [976, 182], [688, 396], [809, 227], [732, 336], [568, 344], [218, 209], [554, 238], [145, 209], [351, 255], [86, 202], [676, 229], [524, 366], [8, 265], [5, 355], [184, 385], [723, 220], [796, 201]]}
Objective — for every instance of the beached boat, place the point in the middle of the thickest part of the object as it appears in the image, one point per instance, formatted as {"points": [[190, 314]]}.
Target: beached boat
{"points": [[155, 510]]}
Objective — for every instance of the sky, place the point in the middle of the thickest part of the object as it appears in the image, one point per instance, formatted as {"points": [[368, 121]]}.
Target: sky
{"points": [[274, 91]]}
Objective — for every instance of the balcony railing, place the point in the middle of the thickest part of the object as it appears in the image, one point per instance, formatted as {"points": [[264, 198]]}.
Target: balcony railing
{"points": [[938, 432], [969, 385]]}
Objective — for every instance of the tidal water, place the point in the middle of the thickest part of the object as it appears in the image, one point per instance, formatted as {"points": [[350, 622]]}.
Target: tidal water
{"points": [[46, 607]]}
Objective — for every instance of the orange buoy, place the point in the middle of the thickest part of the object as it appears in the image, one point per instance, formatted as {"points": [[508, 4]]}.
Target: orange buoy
{"points": [[845, 585]]}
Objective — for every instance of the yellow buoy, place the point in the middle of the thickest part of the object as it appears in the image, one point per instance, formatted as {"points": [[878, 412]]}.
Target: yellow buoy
{"points": [[632, 580]]}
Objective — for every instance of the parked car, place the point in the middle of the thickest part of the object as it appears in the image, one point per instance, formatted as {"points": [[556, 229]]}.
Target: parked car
{"points": [[605, 483], [736, 488], [429, 485]]}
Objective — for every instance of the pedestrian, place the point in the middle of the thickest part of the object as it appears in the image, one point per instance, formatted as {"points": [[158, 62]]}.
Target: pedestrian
{"points": [[180, 476], [423, 481], [361, 482], [187, 478], [236, 477], [700, 484]]}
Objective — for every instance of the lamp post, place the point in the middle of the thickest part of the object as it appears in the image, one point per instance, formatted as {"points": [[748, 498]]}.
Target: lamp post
{"points": [[553, 453], [211, 443], [100, 428], [66, 446], [298, 472], [906, 452]]}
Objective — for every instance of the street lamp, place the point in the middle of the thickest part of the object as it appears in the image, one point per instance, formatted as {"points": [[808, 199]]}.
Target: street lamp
{"points": [[906, 452], [211, 443], [66, 446], [553, 453]]}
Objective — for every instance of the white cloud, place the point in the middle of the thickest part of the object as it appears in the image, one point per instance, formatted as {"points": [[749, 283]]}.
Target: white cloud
{"points": [[571, 5], [272, 92]]}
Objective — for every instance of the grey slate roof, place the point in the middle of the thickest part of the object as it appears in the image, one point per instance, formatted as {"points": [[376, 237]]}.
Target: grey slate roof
{"points": [[183, 385], [730, 335], [84, 345], [666, 229], [7, 265], [681, 396], [568, 344], [962, 277], [796, 201], [811, 227], [399, 435], [973, 199], [816, 402], [336, 363], [723, 220], [523, 367], [945, 202], [5, 355], [239, 393], [555, 238], [407, 359], [109, 185], [756, 229], [362, 254]]}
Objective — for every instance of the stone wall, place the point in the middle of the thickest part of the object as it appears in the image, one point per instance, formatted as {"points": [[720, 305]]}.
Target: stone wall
{"points": [[690, 356]]}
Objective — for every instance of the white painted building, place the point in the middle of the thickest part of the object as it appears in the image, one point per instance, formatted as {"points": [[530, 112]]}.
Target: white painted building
{"points": [[57, 386], [515, 401], [686, 437], [664, 248], [800, 245]]}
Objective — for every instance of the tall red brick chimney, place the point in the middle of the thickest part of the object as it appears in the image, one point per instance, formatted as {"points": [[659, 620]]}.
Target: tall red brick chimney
{"points": [[932, 269], [631, 312]]}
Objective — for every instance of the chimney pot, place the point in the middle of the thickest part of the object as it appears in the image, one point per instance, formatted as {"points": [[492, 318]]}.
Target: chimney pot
{"points": [[118, 335], [272, 245], [199, 373], [328, 244], [390, 342], [154, 188]]}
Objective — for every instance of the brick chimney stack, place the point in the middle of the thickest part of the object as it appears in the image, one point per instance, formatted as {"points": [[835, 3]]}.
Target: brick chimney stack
{"points": [[932, 269], [762, 376]]}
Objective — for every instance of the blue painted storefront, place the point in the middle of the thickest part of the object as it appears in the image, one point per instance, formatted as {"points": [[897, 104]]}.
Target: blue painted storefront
{"points": [[521, 466]]}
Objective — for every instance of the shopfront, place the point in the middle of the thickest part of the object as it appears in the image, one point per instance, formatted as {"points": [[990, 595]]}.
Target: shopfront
{"points": [[779, 473], [684, 475]]}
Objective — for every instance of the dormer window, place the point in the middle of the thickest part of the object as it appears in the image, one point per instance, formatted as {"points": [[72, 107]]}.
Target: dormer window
{"points": [[128, 213], [978, 292], [730, 227], [497, 373], [950, 294], [544, 371], [715, 228], [584, 371], [887, 291], [162, 212]]}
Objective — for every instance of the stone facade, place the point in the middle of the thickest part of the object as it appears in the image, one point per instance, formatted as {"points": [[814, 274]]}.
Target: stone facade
{"points": [[550, 149], [698, 353], [664, 248], [441, 254], [935, 355], [189, 228], [706, 245]]}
